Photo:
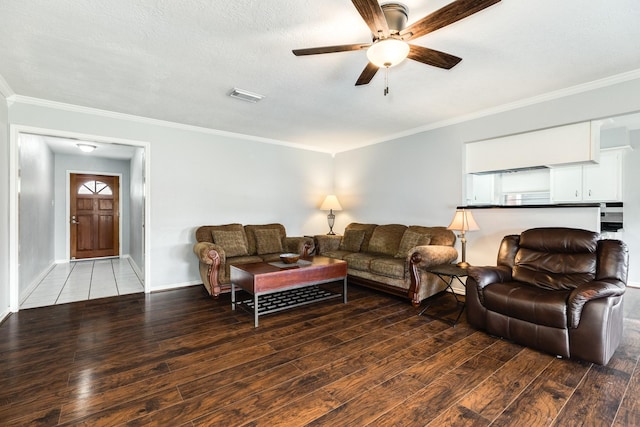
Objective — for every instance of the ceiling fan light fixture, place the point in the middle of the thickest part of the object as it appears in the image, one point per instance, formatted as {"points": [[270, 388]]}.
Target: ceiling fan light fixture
{"points": [[387, 52]]}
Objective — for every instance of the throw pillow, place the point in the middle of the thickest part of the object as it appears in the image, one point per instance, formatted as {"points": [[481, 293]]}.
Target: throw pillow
{"points": [[268, 241], [411, 239], [232, 242], [352, 240]]}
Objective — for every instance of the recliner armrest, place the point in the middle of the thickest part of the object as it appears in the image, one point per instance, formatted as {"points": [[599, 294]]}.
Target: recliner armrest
{"points": [[487, 275], [589, 292]]}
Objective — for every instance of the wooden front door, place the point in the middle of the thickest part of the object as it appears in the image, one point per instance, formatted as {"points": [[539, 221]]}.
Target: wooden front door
{"points": [[95, 218]]}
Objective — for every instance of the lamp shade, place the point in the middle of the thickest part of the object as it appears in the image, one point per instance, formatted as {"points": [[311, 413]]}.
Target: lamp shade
{"points": [[463, 221], [387, 52], [331, 203]]}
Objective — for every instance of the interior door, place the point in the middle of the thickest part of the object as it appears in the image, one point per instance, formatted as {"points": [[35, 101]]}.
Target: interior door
{"points": [[95, 219]]}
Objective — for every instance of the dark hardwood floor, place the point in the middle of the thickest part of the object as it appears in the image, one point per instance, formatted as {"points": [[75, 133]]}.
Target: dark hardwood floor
{"points": [[180, 358]]}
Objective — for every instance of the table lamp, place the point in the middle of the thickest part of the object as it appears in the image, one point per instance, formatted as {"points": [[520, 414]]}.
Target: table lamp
{"points": [[330, 204], [463, 221]]}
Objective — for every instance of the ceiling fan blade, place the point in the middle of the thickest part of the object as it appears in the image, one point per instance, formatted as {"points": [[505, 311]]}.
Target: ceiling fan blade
{"points": [[432, 57], [444, 16], [367, 74], [373, 16], [330, 49]]}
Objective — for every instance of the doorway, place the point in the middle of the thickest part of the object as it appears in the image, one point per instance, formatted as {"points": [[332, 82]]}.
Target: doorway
{"points": [[33, 254], [94, 205]]}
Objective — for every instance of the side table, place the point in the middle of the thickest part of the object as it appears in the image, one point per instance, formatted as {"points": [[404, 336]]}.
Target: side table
{"points": [[448, 273]]}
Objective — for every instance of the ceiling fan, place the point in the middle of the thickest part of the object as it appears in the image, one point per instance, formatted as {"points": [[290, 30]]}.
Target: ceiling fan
{"points": [[389, 46]]}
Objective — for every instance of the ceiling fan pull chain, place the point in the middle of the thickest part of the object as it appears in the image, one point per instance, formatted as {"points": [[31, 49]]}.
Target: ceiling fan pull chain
{"points": [[386, 81]]}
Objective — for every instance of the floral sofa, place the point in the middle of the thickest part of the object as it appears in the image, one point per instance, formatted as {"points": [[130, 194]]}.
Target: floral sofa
{"points": [[392, 258], [220, 246]]}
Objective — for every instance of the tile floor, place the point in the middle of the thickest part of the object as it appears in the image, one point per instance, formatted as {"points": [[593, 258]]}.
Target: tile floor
{"points": [[83, 280]]}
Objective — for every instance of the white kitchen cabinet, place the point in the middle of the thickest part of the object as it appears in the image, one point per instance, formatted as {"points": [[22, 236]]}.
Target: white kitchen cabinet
{"points": [[600, 182], [481, 189]]}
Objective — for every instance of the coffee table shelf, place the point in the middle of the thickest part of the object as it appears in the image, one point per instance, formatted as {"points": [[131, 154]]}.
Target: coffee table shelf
{"points": [[283, 300]]}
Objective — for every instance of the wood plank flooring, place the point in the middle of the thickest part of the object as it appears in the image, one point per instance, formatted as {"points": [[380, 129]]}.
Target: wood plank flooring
{"points": [[180, 358]]}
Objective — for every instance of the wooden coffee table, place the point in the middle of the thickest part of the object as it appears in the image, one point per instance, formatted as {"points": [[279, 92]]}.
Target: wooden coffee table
{"points": [[262, 279]]}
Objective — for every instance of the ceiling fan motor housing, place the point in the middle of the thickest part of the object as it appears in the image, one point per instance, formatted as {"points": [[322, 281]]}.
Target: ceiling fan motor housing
{"points": [[396, 15]]}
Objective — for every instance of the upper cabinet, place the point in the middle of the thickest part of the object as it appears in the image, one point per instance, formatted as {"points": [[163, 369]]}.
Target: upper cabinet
{"points": [[575, 143], [600, 182]]}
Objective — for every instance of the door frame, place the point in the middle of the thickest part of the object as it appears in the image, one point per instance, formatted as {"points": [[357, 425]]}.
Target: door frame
{"points": [[14, 189], [68, 210]]}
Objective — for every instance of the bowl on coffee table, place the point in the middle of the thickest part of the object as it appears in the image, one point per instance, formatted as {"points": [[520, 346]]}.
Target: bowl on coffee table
{"points": [[289, 258]]}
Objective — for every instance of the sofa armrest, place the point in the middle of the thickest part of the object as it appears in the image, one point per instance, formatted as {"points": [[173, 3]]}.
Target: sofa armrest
{"points": [[299, 245], [589, 292], [423, 257], [213, 256], [326, 242], [204, 254], [432, 255]]}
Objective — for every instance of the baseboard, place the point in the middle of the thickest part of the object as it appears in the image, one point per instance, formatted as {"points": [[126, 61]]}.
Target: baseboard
{"points": [[175, 286], [135, 267], [4, 315], [34, 284]]}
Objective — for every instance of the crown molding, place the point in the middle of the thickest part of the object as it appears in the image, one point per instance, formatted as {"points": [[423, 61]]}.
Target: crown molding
{"points": [[550, 96], [5, 89], [155, 122], [572, 90]]}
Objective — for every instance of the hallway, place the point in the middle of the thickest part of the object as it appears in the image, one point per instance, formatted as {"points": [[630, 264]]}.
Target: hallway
{"points": [[84, 280]]}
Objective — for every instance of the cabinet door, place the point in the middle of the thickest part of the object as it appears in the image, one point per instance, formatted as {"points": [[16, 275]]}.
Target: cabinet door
{"points": [[566, 184], [482, 189], [602, 182]]}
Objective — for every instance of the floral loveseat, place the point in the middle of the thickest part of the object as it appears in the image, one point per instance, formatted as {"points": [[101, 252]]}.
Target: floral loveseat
{"points": [[220, 246], [392, 258]]}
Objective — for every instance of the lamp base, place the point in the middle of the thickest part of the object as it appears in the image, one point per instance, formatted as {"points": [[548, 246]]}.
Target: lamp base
{"points": [[331, 233], [463, 264]]}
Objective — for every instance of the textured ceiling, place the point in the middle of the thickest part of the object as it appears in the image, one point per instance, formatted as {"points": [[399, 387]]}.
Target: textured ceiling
{"points": [[176, 60]]}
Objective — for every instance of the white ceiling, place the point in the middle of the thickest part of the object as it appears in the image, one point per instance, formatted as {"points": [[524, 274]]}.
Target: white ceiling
{"points": [[176, 60]]}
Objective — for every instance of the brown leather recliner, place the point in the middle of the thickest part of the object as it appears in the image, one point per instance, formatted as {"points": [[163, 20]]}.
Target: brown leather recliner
{"points": [[559, 290]]}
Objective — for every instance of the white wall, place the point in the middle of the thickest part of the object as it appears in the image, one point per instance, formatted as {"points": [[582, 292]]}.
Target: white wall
{"points": [[83, 163], [418, 179], [36, 207], [203, 177], [4, 208], [136, 210]]}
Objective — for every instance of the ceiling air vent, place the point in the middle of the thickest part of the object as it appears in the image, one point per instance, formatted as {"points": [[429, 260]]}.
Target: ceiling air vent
{"points": [[245, 95]]}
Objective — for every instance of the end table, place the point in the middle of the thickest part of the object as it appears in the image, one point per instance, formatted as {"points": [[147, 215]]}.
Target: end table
{"points": [[448, 273]]}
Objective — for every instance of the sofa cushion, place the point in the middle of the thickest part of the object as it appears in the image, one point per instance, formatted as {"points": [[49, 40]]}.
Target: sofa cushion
{"points": [[386, 239], [411, 239], [368, 231], [352, 240], [203, 233], [359, 260], [250, 231], [337, 254], [439, 235], [234, 243], [389, 267], [268, 241]]}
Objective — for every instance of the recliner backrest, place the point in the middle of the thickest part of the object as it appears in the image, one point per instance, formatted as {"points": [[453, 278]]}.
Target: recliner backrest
{"points": [[556, 258]]}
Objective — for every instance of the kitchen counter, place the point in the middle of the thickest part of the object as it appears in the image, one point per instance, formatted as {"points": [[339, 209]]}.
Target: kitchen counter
{"points": [[545, 206], [497, 221]]}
